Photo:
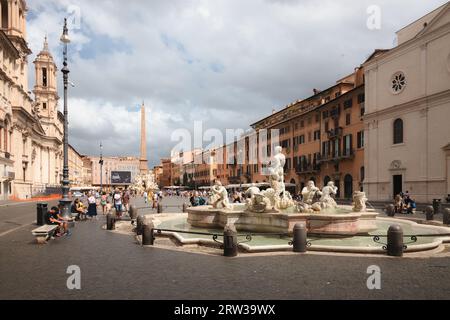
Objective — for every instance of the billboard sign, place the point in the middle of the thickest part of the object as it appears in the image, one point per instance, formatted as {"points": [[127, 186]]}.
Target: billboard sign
{"points": [[120, 177]]}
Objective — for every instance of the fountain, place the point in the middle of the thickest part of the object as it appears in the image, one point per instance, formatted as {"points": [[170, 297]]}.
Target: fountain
{"points": [[274, 210], [265, 222]]}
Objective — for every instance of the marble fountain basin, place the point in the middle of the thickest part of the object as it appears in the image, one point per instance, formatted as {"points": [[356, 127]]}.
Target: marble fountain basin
{"points": [[341, 221]]}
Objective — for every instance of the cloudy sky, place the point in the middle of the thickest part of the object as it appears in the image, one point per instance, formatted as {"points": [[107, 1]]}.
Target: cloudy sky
{"points": [[227, 63]]}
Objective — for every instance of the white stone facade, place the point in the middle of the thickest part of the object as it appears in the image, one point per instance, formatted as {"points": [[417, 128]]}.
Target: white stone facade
{"points": [[30, 130], [410, 82]]}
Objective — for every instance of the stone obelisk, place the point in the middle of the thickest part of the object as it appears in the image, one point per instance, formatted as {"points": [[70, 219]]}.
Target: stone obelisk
{"points": [[143, 165]]}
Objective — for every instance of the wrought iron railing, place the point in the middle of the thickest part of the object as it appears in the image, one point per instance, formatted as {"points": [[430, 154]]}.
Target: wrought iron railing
{"points": [[309, 243]]}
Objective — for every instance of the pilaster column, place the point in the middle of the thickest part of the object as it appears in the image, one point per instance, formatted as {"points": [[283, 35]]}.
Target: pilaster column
{"points": [[10, 14], [24, 24]]}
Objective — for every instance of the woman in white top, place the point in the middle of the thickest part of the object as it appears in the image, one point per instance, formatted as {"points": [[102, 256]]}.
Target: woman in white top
{"points": [[92, 206]]}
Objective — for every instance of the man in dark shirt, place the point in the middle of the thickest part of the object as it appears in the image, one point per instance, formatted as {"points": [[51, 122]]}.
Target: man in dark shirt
{"points": [[55, 219]]}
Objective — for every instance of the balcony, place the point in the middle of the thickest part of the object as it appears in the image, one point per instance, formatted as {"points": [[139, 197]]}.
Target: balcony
{"points": [[335, 133], [307, 168], [234, 179], [9, 175], [345, 154], [334, 113]]}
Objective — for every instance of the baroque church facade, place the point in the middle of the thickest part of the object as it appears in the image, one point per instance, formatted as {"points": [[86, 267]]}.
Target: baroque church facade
{"points": [[31, 127]]}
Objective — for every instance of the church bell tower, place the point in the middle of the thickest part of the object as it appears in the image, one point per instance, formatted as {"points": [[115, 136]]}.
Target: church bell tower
{"points": [[45, 89]]}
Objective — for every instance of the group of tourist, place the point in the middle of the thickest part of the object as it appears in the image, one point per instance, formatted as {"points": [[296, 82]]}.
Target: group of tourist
{"points": [[197, 198], [200, 198], [403, 203], [152, 197], [85, 207]]}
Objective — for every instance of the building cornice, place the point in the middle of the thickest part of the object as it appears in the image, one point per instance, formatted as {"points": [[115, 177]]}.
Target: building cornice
{"points": [[406, 46], [410, 106], [8, 44]]}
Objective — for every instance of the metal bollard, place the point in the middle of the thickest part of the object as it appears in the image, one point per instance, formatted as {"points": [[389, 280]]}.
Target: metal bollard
{"points": [[229, 243], [184, 207], [41, 211], [299, 241], [429, 212], [139, 224], [132, 212], [446, 216], [436, 205], [395, 241], [159, 208], [110, 222], [147, 234], [390, 210]]}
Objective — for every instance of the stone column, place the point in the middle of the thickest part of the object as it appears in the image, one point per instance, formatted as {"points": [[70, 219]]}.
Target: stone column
{"points": [[24, 24], [10, 14], [143, 168]]}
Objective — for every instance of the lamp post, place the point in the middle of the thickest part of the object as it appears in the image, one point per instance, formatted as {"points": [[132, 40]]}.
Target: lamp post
{"points": [[65, 201], [107, 181], [101, 168]]}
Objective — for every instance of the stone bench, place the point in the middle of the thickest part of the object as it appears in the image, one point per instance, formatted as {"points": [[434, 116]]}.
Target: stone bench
{"points": [[44, 232]]}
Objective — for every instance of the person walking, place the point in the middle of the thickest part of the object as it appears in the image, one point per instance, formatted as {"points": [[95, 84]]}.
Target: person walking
{"points": [[155, 200], [117, 199], [92, 206], [103, 201], [150, 196], [145, 195], [126, 200]]}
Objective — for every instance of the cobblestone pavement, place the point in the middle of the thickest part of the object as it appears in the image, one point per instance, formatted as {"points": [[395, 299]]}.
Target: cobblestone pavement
{"points": [[113, 266]]}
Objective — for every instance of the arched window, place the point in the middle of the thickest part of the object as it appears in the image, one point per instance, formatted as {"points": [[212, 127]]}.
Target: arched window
{"points": [[293, 181], [398, 131]]}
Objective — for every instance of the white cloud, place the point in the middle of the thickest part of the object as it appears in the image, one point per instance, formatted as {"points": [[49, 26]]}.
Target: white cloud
{"points": [[226, 62]]}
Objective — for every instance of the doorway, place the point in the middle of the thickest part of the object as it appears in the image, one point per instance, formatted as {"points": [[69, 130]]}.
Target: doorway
{"points": [[348, 186], [397, 182]]}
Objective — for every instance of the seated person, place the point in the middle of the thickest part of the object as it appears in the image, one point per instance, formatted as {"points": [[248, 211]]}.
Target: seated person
{"points": [[193, 201], [79, 209], [410, 205], [398, 204], [55, 218], [73, 210]]}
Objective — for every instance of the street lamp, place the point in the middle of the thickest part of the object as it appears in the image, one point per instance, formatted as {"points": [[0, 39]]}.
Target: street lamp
{"points": [[65, 201], [101, 167], [106, 180]]}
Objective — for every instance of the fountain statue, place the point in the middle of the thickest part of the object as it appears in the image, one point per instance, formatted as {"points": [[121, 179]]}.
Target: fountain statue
{"points": [[309, 192], [359, 201], [326, 200], [219, 195], [275, 198], [144, 182], [282, 198], [260, 201], [274, 210], [257, 202], [276, 172]]}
